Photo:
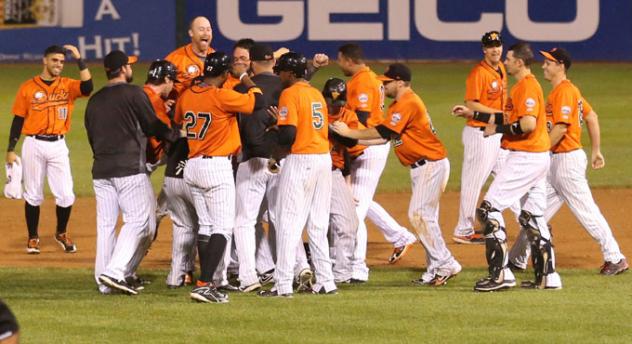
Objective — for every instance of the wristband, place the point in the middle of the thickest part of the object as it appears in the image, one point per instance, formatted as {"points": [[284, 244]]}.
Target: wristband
{"points": [[244, 74], [81, 64]]}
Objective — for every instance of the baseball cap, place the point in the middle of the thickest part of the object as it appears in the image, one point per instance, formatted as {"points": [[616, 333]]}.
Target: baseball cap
{"points": [[261, 52], [117, 59], [396, 71], [492, 39], [559, 55]]}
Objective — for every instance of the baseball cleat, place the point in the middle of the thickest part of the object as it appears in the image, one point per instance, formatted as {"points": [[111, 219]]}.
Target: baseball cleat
{"points": [[228, 288], [273, 293], [136, 282], [32, 246], [472, 239], [398, 253], [305, 281], [266, 277], [118, 284], [488, 284], [250, 288], [322, 291], [611, 269], [354, 281], [207, 293], [66, 243]]}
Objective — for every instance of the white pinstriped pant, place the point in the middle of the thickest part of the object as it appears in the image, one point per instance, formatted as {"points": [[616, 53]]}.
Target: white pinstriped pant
{"points": [[343, 222], [254, 182], [46, 159], [179, 202], [304, 201], [213, 190], [567, 183], [481, 156], [118, 257], [365, 175], [428, 183]]}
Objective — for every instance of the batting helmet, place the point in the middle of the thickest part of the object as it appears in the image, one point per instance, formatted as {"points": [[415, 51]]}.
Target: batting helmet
{"points": [[292, 62], [216, 64], [335, 91], [160, 69]]}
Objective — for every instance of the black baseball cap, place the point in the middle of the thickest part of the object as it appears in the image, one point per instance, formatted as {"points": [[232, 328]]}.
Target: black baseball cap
{"points": [[396, 71], [492, 39], [261, 52], [117, 59], [559, 55]]}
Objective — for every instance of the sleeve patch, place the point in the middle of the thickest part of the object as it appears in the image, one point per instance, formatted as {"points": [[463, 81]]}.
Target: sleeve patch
{"points": [[395, 118], [283, 113], [566, 110], [530, 102], [363, 97]]}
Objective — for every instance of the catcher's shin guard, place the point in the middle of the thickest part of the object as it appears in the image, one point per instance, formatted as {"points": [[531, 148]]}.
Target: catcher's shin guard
{"points": [[482, 212], [495, 249], [543, 256]]}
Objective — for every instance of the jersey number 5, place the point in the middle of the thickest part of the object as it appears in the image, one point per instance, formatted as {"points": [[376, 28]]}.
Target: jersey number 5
{"points": [[317, 115], [191, 124]]}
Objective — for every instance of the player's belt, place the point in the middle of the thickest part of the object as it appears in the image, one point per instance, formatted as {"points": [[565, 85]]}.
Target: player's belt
{"points": [[49, 138], [418, 163], [217, 156]]}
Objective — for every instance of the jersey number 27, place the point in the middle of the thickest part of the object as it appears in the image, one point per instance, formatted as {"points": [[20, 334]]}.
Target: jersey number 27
{"points": [[191, 124]]}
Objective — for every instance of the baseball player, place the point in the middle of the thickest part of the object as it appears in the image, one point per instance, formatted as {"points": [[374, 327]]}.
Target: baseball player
{"points": [[365, 96], [161, 78], [343, 220], [118, 120], [304, 194], [42, 111], [485, 91], [523, 177], [208, 113], [190, 58], [567, 111], [410, 128]]}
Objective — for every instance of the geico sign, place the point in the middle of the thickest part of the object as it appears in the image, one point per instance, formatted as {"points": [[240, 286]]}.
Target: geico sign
{"points": [[426, 20]]}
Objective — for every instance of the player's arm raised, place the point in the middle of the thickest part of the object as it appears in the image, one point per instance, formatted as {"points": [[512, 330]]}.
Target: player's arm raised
{"points": [[84, 73]]}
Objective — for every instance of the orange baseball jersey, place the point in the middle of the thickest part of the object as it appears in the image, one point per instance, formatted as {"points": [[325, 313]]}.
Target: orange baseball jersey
{"points": [[155, 147], [304, 107], [526, 99], [487, 86], [366, 93], [417, 139], [564, 105], [231, 82], [337, 151], [46, 109], [208, 115], [586, 109], [189, 65]]}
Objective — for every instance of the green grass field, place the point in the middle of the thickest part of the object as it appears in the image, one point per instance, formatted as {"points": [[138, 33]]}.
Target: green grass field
{"points": [[441, 85], [62, 306]]}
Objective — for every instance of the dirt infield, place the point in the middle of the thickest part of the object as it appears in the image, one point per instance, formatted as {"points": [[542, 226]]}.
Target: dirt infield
{"points": [[574, 247]]}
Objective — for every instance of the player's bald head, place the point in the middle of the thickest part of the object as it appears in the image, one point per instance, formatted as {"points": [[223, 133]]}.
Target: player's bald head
{"points": [[199, 22]]}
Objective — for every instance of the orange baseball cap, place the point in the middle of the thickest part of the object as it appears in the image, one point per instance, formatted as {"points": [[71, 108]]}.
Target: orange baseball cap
{"points": [[559, 55]]}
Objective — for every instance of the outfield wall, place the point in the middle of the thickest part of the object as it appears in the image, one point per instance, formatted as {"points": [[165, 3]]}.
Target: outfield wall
{"points": [[389, 29]]}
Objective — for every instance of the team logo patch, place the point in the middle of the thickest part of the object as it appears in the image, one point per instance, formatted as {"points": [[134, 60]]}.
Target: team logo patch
{"points": [[363, 98], [39, 95], [566, 111], [494, 84], [395, 118], [283, 112], [193, 69], [530, 102]]}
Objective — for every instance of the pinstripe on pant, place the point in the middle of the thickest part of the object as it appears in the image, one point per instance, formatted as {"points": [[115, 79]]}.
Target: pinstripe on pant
{"points": [[481, 156], [134, 196], [185, 226], [428, 183], [254, 181], [304, 200], [567, 183], [343, 222]]}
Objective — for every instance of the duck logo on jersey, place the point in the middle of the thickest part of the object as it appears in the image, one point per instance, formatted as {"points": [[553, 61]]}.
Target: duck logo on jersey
{"points": [[193, 70]]}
